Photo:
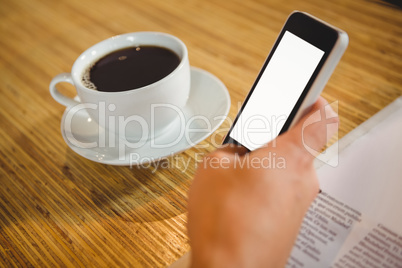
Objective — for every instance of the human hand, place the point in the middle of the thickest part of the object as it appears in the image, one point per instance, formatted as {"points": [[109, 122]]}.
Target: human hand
{"points": [[245, 210]]}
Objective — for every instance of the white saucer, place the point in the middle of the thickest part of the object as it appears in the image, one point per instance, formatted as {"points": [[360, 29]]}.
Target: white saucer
{"points": [[206, 109]]}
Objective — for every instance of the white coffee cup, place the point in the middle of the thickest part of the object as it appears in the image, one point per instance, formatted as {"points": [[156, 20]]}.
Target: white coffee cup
{"points": [[140, 113]]}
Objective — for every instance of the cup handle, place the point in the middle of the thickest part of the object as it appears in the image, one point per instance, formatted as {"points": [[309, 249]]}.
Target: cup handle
{"points": [[60, 98]]}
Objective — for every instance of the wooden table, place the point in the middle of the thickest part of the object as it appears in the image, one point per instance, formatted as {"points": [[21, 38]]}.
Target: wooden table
{"points": [[60, 209]]}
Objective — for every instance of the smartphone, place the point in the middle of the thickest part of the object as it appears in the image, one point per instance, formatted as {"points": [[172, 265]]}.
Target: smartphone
{"points": [[295, 72]]}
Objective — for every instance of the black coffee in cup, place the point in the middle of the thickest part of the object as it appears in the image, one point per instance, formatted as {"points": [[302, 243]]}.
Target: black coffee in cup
{"points": [[130, 68]]}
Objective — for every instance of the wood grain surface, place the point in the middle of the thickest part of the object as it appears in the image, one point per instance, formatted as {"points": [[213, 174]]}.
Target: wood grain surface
{"points": [[58, 209]]}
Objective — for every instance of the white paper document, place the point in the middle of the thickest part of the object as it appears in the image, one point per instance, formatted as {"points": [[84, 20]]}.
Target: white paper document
{"points": [[356, 221]]}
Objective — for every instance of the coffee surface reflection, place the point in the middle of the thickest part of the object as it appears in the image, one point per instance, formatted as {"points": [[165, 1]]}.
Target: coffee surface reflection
{"points": [[130, 68]]}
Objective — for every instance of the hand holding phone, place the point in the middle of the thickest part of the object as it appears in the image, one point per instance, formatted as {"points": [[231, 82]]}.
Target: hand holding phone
{"points": [[294, 74]]}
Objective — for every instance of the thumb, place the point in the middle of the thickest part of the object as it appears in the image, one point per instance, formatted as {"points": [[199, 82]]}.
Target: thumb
{"points": [[315, 129]]}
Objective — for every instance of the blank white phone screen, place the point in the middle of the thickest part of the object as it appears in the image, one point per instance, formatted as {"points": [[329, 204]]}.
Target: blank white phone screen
{"points": [[277, 92]]}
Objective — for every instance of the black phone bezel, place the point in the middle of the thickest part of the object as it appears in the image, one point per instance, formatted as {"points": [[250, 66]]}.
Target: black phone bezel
{"points": [[311, 30]]}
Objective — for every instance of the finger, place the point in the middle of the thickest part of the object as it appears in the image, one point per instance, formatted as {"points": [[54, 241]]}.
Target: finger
{"points": [[233, 149], [311, 133], [315, 129]]}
